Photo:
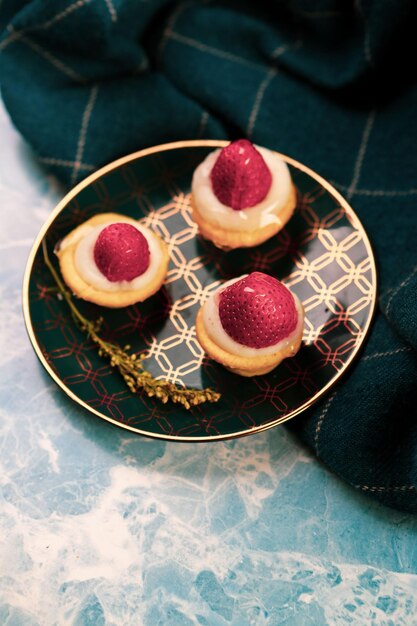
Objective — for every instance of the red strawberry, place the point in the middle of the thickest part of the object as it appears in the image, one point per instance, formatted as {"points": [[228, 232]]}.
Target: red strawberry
{"points": [[121, 252], [257, 311], [240, 176]]}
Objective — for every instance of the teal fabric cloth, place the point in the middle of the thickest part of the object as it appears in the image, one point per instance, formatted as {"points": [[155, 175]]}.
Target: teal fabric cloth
{"points": [[87, 81]]}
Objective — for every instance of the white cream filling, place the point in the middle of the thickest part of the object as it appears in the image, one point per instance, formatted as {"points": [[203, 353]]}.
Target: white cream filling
{"points": [[262, 214], [216, 332], [90, 273]]}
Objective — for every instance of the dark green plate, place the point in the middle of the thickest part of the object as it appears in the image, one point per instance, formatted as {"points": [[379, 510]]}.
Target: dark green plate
{"points": [[323, 255]]}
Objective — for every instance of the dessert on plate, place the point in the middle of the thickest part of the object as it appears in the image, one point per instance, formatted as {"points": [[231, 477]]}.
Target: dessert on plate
{"points": [[242, 195], [250, 324], [112, 260]]}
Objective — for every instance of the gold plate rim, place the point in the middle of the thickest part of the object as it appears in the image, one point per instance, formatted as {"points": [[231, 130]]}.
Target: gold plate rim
{"points": [[192, 143]]}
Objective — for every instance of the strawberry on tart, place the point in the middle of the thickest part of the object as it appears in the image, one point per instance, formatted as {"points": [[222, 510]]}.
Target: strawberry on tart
{"points": [[242, 195], [250, 324], [112, 260]]}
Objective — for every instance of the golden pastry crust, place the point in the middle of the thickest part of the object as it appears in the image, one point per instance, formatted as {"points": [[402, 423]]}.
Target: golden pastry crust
{"points": [[231, 239], [111, 299], [242, 365]]}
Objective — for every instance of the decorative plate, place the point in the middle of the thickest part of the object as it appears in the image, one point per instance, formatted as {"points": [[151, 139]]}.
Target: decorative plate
{"points": [[323, 255]]}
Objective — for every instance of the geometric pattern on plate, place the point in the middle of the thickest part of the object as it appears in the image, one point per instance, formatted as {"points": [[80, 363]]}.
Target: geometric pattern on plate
{"points": [[323, 255]]}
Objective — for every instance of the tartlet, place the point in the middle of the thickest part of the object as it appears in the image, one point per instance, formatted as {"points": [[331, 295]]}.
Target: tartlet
{"points": [[113, 261], [241, 195], [250, 324]]}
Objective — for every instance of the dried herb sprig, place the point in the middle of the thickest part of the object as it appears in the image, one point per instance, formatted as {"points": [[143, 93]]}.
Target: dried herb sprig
{"points": [[129, 364]]}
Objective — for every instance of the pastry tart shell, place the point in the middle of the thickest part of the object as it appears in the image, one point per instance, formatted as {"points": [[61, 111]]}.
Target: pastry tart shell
{"points": [[111, 299], [243, 365], [230, 239]]}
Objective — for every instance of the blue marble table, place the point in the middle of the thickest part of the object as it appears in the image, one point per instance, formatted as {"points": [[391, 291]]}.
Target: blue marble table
{"points": [[100, 526]]}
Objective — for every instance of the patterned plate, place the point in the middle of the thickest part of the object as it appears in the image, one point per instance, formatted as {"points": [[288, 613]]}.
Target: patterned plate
{"points": [[323, 255]]}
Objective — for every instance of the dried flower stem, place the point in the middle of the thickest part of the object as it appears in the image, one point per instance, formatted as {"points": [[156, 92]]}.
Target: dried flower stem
{"points": [[129, 365]]}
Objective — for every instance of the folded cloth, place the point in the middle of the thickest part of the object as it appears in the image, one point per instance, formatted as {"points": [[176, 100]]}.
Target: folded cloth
{"points": [[86, 81]]}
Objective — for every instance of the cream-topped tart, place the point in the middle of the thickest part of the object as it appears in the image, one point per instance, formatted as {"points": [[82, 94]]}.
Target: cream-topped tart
{"points": [[250, 324], [242, 195], [113, 260]]}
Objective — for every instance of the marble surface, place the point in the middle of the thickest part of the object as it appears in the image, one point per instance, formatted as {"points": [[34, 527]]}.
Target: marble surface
{"points": [[100, 526]]}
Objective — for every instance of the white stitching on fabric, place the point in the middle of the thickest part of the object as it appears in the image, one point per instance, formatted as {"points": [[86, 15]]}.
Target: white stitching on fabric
{"points": [[388, 353], [258, 100], [52, 59], [65, 163], [14, 34], [83, 132], [320, 421], [381, 192], [60, 16], [280, 50], [382, 489], [112, 10], [376, 192], [272, 72], [203, 123], [367, 34], [398, 289], [170, 24], [361, 153], [17, 34], [228, 56], [168, 28]]}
